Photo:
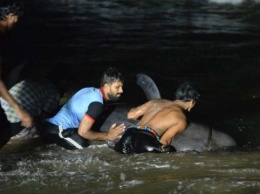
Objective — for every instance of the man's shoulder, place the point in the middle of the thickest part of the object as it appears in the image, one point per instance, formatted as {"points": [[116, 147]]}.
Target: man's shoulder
{"points": [[158, 102], [88, 91], [88, 94], [33, 86]]}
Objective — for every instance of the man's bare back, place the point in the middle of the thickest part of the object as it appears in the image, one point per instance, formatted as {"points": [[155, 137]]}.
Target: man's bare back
{"points": [[164, 116]]}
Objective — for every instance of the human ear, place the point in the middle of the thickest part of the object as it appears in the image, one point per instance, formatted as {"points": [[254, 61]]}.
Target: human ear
{"points": [[106, 87], [191, 104]]}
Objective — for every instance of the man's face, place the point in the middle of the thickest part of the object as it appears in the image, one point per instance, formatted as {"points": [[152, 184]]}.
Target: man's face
{"points": [[115, 91], [11, 20]]}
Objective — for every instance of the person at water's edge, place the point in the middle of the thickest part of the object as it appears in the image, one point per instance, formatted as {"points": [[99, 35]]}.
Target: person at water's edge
{"points": [[162, 119], [39, 97], [71, 127], [9, 15]]}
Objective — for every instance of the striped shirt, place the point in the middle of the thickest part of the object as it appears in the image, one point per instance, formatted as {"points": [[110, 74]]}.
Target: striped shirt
{"points": [[34, 97]]}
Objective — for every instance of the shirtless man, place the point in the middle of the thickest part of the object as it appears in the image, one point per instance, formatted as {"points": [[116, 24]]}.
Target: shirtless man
{"points": [[163, 118]]}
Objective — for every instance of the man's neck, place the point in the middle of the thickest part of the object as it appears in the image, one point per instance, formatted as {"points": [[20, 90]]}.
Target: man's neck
{"points": [[181, 104], [103, 93], [2, 27]]}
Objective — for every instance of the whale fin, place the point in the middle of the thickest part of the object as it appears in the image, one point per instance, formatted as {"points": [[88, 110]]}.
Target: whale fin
{"points": [[149, 87]]}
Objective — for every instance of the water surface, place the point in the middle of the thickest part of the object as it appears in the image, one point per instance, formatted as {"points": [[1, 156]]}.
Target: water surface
{"points": [[212, 43]]}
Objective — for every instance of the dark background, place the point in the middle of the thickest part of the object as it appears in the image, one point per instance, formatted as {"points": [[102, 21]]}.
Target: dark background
{"points": [[214, 45]]}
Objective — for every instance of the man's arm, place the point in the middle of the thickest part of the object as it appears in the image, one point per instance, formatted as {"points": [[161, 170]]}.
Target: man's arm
{"points": [[23, 115], [93, 112], [86, 132], [139, 111]]}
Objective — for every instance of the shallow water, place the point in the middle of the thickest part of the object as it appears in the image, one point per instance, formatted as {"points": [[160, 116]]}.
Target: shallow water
{"points": [[212, 43], [98, 169]]}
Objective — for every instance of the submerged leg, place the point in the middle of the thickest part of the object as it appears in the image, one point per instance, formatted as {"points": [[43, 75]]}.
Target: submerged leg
{"points": [[68, 138]]}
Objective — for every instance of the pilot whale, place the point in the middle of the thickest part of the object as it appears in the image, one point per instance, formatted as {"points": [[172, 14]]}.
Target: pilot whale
{"points": [[196, 137]]}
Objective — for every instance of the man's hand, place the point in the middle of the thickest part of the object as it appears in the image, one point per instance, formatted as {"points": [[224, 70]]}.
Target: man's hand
{"points": [[26, 119], [168, 149], [115, 131], [23, 115]]}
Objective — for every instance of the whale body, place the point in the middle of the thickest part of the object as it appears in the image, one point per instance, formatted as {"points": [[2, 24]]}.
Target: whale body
{"points": [[196, 137]]}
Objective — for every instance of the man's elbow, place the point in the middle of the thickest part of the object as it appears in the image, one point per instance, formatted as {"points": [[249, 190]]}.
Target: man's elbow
{"points": [[83, 133], [80, 133], [164, 143], [130, 115]]}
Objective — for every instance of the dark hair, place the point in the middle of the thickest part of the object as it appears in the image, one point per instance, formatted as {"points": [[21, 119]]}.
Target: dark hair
{"points": [[187, 92], [110, 76], [7, 7]]}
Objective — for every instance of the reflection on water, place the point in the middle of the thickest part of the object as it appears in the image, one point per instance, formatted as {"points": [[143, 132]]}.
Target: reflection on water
{"points": [[98, 169], [212, 43]]}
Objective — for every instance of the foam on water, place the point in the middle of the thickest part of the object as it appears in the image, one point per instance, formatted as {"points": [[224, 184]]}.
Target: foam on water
{"points": [[209, 185], [198, 40], [130, 183], [99, 169], [239, 171], [227, 1]]}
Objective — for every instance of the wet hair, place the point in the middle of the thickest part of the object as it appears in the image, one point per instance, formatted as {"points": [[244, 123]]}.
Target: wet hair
{"points": [[7, 7], [187, 92], [110, 76]]}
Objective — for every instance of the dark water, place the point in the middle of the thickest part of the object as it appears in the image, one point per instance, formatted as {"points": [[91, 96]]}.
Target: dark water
{"points": [[212, 43]]}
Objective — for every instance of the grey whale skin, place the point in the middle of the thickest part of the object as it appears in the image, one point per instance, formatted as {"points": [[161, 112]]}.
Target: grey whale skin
{"points": [[197, 137]]}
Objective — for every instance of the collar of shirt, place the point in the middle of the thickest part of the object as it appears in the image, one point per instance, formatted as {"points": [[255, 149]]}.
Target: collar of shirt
{"points": [[103, 94]]}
